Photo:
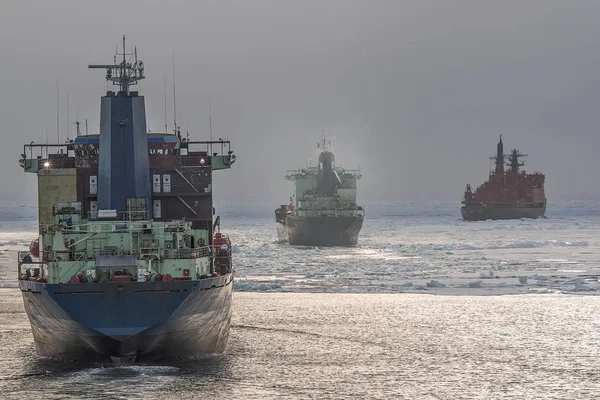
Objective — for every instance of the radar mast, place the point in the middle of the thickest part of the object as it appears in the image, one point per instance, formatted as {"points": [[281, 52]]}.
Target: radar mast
{"points": [[126, 73], [513, 160]]}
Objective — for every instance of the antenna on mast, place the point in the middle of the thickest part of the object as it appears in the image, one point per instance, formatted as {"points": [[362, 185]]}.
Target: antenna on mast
{"points": [[126, 73], [67, 116], [174, 97], [209, 118], [57, 115], [165, 90], [78, 133], [324, 144]]}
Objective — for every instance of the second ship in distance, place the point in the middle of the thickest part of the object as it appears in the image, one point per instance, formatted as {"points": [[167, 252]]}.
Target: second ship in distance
{"points": [[325, 212]]}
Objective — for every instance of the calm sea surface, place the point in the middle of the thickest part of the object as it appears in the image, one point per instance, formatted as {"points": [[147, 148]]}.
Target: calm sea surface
{"points": [[340, 346]]}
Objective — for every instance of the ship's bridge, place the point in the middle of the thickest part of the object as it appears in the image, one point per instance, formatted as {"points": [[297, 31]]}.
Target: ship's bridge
{"points": [[83, 152], [180, 175]]}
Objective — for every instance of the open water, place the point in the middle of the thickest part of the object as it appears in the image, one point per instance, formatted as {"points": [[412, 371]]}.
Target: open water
{"points": [[418, 311]]}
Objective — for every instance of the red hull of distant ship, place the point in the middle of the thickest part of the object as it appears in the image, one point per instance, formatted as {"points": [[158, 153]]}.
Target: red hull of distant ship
{"points": [[510, 194]]}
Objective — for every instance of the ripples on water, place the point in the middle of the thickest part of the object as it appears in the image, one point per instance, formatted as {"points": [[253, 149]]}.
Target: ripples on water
{"points": [[339, 346], [402, 248], [364, 345]]}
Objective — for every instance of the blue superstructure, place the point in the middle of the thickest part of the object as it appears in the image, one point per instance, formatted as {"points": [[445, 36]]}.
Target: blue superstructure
{"points": [[123, 171], [155, 140]]}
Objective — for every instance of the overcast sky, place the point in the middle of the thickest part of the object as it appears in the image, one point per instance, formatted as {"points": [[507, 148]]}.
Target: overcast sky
{"points": [[415, 92]]}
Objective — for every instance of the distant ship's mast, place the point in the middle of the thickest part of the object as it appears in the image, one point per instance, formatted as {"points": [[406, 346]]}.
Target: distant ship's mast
{"points": [[127, 72], [499, 158], [324, 144], [513, 160]]}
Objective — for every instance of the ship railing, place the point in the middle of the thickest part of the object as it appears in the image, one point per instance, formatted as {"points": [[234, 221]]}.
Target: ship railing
{"points": [[116, 252], [120, 216], [82, 255], [34, 267], [209, 146], [313, 170], [150, 252], [134, 215], [62, 157], [186, 253], [222, 260], [50, 255], [176, 226], [331, 207], [355, 172], [302, 171], [194, 161]]}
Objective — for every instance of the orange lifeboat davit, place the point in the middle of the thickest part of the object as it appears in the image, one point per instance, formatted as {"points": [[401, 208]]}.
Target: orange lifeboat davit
{"points": [[34, 248]]}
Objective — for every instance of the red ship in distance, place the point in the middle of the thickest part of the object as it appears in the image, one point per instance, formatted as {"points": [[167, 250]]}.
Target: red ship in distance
{"points": [[507, 194]]}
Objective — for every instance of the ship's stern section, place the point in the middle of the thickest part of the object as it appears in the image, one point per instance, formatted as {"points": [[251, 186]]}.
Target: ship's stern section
{"points": [[151, 320], [324, 230]]}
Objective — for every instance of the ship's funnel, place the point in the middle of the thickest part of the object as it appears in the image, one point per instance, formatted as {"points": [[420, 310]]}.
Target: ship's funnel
{"points": [[123, 165], [328, 179], [123, 162]]}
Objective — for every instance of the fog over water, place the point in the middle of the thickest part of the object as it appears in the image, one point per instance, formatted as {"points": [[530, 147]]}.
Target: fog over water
{"points": [[415, 92]]}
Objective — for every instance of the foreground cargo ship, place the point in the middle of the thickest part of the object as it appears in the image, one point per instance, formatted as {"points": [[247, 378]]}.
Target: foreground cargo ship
{"points": [[129, 263], [511, 194], [325, 212]]}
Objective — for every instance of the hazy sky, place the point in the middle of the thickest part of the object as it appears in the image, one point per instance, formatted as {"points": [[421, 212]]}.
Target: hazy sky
{"points": [[416, 92]]}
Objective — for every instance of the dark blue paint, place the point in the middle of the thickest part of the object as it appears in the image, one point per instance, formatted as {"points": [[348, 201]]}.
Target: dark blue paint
{"points": [[123, 166], [166, 139], [175, 319]]}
